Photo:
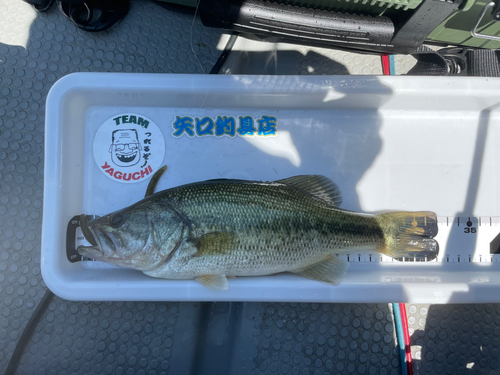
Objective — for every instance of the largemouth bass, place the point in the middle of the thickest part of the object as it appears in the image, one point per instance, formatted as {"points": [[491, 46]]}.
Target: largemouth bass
{"points": [[212, 230]]}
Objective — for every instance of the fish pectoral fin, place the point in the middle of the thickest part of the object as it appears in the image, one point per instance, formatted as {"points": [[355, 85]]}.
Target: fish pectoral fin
{"points": [[329, 270], [215, 282], [319, 186], [213, 243]]}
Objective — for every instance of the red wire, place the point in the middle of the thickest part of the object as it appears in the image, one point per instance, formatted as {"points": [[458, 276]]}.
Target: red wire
{"points": [[385, 64], [406, 333]]}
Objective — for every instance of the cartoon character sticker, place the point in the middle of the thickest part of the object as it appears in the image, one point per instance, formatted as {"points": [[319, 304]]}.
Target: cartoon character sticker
{"points": [[125, 148], [129, 148]]}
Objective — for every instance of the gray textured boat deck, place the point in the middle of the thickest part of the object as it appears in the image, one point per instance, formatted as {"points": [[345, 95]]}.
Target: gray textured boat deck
{"points": [[183, 338]]}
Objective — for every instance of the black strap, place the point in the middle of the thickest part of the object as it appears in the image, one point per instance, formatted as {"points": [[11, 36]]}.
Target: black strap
{"points": [[466, 61], [483, 63], [429, 63]]}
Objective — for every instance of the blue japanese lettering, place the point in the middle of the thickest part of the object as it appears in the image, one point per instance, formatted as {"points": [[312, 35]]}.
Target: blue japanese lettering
{"points": [[267, 125], [204, 126], [183, 125], [246, 126], [225, 125]]}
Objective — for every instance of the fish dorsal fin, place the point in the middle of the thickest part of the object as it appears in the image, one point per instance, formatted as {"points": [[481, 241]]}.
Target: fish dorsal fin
{"points": [[319, 186], [330, 270], [215, 282]]}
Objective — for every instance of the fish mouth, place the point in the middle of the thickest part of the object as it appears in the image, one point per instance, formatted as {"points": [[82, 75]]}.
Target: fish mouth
{"points": [[99, 241], [90, 252], [105, 249], [94, 251]]}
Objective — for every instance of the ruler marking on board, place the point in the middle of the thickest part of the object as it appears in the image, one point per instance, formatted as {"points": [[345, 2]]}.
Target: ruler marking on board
{"points": [[463, 239]]}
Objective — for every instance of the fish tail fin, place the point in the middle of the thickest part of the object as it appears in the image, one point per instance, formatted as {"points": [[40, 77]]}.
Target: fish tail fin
{"points": [[409, 234]]}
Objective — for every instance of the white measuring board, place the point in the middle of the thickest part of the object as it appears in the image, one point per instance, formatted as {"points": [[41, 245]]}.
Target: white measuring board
{"points": [[475, 234], [389, 143]]}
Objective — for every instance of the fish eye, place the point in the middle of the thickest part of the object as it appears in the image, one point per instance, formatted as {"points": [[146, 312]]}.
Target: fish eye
{"points": [[117, 220]]}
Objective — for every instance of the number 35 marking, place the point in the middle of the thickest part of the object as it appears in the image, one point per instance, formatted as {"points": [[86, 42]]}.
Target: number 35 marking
{"points": [[470, 230]]}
